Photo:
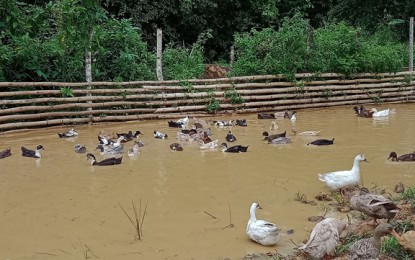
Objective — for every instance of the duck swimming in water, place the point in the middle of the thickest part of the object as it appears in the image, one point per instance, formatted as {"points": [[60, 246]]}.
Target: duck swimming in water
{"points": [[268, 137], [32, 153], [6, 153], [409, 157], [70, 133], [230, 137], [79, 148], [129, 136], [322, 142], [176, 147], [233, 149], [159, 135], [105, 162]]}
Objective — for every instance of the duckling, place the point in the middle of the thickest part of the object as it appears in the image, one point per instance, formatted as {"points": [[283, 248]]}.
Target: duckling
{"points": [[79, 148], [6, 153], [409, 157], [369, 248], [233, 149], [70, 133], [280, 140], [105, 162], [342, 179], [261, 231], [322, 142], [32, 153], [230, 137], [324, 238], [176, 147], [134, 150], [159, 135], [269, 138], [373, 205]]}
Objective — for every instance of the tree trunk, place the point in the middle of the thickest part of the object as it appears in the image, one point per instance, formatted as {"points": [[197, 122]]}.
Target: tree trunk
{"points": [[411, 44], [159, 66], [88, 70]]}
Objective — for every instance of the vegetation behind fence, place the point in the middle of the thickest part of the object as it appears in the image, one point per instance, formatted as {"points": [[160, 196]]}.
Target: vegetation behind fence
{"points": [[37, 104]]}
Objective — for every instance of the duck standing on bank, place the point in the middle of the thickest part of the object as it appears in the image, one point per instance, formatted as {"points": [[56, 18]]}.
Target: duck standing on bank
{"points": [[324, 238], [373, 205], [342, 179], [32, 153], [261, 231], [369, 248]]}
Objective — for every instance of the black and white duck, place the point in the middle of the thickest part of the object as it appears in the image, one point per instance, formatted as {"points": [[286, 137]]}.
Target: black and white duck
{"points": [[159, 135], [322, 142], [409, 157], [105, 162], [129, 136], [70, 133], [230, 137], [233, 149], [32, 153], [6, 153], [175, 124], [79, 148], [176, 147]]}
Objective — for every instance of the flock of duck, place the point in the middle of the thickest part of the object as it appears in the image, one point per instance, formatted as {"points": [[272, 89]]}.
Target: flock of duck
{"points": [[324, 236]]}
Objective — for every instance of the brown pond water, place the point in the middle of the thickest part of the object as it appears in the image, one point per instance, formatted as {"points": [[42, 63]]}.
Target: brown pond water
{"points": [[61, 207]]}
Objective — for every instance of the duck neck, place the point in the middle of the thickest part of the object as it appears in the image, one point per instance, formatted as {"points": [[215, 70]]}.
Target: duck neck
{"points": [[376, 240], [356, 165], [252, 212]]}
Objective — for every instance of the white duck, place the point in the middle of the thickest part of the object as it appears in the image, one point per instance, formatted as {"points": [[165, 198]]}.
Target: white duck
{"points": [[261, 231], [324, 238], [376, 113], [341, 179]]}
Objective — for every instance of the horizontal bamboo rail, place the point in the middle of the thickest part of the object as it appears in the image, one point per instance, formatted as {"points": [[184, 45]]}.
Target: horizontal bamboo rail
{"points": [[39, 104]]}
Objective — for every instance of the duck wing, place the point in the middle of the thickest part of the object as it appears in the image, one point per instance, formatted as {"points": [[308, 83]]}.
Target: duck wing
{"points": [[110, 161], [27, 152]]}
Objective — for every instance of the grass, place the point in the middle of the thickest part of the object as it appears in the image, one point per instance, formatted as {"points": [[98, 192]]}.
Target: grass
{"points": [[391, 247]]}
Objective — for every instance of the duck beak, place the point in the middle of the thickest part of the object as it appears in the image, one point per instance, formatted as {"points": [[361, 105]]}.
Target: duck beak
{"points": [[395, 234], [365, 160]]}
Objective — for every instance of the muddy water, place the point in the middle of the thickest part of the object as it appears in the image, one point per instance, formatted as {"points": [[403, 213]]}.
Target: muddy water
{"points": [[60, 207]]}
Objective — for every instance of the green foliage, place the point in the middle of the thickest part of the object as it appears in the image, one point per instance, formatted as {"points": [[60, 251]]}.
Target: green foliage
{"points": [[213, 104], [233, 96], [272, 52], [66, 92], [392, 248], [182, 64]]}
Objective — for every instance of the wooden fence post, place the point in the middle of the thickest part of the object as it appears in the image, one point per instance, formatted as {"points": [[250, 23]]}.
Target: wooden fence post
{"points": [[411, 43], [88, 71], [159, 64], [232, 56]]}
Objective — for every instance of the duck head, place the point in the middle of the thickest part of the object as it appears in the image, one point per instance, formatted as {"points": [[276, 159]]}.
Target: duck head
{"points": [[40, 147]]}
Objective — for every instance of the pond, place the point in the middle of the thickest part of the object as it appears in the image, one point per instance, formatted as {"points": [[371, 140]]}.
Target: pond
{"points": [[61, 207]]}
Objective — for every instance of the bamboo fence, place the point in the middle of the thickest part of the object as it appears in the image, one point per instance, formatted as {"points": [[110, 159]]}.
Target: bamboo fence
{"points": [[38, 104]]}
